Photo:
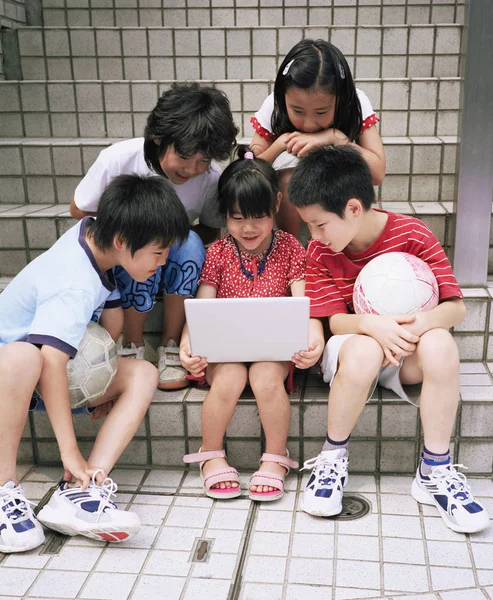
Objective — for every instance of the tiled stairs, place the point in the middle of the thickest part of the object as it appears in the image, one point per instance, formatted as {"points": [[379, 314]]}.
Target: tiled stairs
{"points": [[94, 71]]}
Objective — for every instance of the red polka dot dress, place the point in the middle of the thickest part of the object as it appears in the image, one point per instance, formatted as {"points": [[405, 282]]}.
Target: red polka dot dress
{"points": [[284, 264]]}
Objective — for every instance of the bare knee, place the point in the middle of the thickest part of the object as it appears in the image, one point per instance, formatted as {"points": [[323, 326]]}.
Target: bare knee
{"points": [[438, 352], [360, 359], [229, 376], [267, 378], [139, 373]]}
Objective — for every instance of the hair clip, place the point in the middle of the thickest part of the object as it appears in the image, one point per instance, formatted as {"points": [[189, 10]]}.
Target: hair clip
{"points": [[248, 155], [341, 71], [287, 67]]}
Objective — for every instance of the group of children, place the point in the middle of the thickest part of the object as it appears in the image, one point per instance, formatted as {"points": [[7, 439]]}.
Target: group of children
{"points": [[315, 157]]}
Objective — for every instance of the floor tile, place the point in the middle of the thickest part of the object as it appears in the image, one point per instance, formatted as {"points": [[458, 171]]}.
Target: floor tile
{"points": [[58, 584], [312, 545], [408, 578], [395, 504], [310, 571], [403, 551], [183, 517], [75, 559], [177, 538], [307, 592], [483, 556], [228, 519], [226, 541], [400, 526], [122, 560], [168, 562], [207, 588], [106, 586], [358, 547], [363, 575], [275, 521], [448, 554], [220, 566], [270, 569], [261, 591], [269, 544], [16, 581], [450, 578], [473, 594], [164, 588]]}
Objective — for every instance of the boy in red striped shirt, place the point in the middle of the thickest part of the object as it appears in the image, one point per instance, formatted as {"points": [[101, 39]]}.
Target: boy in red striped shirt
{"points": [[333, 193]]}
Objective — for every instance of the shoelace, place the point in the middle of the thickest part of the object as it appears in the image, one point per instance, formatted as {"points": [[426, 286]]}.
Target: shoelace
{"points": [[323, 466], [457, 482], [12, 501], [106, 489]]}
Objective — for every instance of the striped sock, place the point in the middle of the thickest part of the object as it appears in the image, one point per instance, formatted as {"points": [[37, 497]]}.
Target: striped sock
{"points": [[333, 445], [430, 460]]}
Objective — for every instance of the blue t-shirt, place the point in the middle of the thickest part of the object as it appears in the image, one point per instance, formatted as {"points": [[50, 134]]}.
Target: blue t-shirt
{"points": [[53, 298]]}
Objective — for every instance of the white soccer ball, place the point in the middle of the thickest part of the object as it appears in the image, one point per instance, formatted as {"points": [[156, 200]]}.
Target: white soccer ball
{"points": [[395, 283], [93, 369]]}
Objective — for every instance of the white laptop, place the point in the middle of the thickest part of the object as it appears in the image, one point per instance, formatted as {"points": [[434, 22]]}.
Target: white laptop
{"points": [[247, 329]]}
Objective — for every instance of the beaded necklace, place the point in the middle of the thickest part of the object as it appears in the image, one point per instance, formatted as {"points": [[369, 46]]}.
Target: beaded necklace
{"points": [[261, 264]]}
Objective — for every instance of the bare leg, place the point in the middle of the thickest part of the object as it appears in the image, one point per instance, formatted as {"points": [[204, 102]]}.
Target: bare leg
{"points": [[135, 384], [173, 317], [267, 381], [20, 368], [227, 381], [133, 326], [436, 363], [360, 358], [287, 218]]}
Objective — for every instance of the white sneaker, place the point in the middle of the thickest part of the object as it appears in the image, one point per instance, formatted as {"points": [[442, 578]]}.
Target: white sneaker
{"points": [[322, 496], [132, 351], [90, 513], [172, 375], [19, 529], [447, 489]]}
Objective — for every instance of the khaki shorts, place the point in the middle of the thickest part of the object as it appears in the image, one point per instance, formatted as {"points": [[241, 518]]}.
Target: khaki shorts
{"points": [[388, 377]]}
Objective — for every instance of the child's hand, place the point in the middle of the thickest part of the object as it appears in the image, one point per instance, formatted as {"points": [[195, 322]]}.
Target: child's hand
{"points": [[75, 466], [193, 364], [419, 325], [390, 333], [300, 144], [102, 410], [307, 358]]}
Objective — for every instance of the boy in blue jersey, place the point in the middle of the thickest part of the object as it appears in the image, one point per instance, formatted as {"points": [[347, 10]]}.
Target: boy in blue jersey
{"points": [[44, 313]]}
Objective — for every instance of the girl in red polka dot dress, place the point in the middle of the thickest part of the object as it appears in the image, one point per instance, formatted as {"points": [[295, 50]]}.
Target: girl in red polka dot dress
{"points": [[315, 103], [252, 260]]}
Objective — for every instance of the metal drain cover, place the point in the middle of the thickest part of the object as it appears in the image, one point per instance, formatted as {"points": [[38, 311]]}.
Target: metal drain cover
{"points": [[353, 507]]}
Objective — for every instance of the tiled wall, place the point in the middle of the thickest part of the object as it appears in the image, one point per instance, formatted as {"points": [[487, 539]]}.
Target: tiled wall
{"points": [[417, 107], [12, 14], [205, 13], [232, 53], [419, 169]]}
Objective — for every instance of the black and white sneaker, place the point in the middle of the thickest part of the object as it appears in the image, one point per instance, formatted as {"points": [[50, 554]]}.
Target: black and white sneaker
{"points": [[322, 496], [19, 529]]}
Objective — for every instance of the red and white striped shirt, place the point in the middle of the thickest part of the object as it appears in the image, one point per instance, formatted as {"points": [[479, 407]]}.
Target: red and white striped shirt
{"points": [[330, 275]]}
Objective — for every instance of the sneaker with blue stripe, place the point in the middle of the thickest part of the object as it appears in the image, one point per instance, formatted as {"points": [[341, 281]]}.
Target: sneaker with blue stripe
{"points": [[322, 496], [19, 529], [447, 489], [89, 512]]}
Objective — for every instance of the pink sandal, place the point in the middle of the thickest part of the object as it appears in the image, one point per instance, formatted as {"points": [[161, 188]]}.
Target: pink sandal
{"points": [[271, 479], [217, 476]]}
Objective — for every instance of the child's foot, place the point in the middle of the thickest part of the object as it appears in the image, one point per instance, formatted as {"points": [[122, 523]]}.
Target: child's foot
{"points": [[19, 529], [220, 481], [322, 496], [172, 376], [131, 350], [269, 467], [90, 513], [267, 484], [447, 489]]}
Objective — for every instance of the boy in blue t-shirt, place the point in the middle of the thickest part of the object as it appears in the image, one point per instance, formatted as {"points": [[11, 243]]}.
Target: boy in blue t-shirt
{"points": [[44, 313]]}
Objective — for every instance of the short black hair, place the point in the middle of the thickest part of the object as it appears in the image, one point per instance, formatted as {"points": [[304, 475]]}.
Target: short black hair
{"points": [[249, 186], [192, 119], [139, 211], [330, 177], [318, 65]]}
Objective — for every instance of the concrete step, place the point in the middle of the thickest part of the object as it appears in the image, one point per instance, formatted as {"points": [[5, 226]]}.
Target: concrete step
{"points": [[47, 170], [406, 107], [27, 230], [386, 439], [60, 53], [201, 13]]}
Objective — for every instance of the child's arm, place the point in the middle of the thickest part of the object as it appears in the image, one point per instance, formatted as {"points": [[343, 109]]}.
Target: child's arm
{"points": [[444, 316], [195, 364], [54, 390], [266, 150], [388, 331], [369, 145], [112, 320]]}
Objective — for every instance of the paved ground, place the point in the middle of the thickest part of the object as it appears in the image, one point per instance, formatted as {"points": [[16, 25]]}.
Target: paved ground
{"points": [[271, 551]]}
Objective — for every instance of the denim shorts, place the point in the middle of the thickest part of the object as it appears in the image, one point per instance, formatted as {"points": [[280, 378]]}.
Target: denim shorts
{"points": [[37, 405], [180, 275]]}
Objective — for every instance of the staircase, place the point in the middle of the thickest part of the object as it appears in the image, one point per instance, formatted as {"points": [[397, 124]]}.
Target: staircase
{"points": [[91, 74]]}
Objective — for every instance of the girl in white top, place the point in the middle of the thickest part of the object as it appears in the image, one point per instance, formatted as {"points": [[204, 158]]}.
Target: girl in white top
{"points": [[315, 103]]}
